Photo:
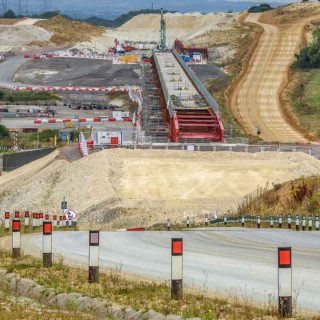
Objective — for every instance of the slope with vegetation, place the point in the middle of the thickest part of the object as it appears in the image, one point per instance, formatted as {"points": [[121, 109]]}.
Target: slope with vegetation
{"points": [[301, 196], [303, 91]]}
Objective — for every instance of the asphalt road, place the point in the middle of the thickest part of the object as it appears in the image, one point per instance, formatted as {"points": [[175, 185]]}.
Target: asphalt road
{"points": [[229, 261], [8, 69]]}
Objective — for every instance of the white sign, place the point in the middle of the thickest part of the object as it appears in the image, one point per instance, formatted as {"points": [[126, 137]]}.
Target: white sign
{"points": [[190, 147], [71, 215]]}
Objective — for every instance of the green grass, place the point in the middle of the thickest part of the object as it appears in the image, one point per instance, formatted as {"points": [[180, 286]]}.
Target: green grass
{"points": [[305, 100], [141, 295], [26, 96]]}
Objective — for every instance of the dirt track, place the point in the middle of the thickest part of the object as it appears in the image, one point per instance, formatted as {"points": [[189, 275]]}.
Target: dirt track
{"points": [[256, 98]]}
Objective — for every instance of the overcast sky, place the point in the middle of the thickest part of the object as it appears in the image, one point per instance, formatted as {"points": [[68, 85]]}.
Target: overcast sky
{"points": [[112, 8]]}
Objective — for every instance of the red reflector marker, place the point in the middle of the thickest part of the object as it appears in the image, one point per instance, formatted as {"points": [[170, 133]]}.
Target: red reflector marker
{"points": [[47, 228], [284, 257], [177, 247], [16, 225]]}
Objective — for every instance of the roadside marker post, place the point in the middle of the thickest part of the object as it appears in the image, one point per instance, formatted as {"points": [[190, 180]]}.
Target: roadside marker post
{"points": [[304, 223], [41, 219], [317, 223], [38, 219], [310, 224], [258, 222], [242, 221], [7, 221], [188, 222], [271, 222], [285, 282], [168, 224], [16, 238], [34, 220], [206, 220], [176, 268], [26, 219], [47, 244], [60, 222], [289, 221], [94, 239], [280, 221], [225, 220], [297, 223], [54, 220], [64, 219]]}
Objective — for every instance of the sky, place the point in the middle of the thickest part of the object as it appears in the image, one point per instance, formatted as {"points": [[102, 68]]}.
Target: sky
{"points": [[113, 8]]}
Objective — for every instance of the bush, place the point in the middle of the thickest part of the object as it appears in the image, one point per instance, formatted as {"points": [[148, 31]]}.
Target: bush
{"points": [[261, 8], [309, 57], [9, 15], [4, 132]]}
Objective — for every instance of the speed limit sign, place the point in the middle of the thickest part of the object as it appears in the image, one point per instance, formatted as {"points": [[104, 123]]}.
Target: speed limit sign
{"points": [[71, 215]]}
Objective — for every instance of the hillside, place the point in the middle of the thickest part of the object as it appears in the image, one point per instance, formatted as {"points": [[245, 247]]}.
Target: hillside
{"points": [[257, 100], [301, 196]]}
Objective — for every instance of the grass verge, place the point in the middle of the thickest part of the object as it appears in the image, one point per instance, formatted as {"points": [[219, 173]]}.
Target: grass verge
{"points": [[143, 295], [304, 97]]}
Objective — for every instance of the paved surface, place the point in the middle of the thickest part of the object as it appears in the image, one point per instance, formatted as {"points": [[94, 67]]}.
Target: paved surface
{"points": [[256, 99], [227, 260]]}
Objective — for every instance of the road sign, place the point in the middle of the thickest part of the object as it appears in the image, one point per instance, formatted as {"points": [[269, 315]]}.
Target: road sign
{"points": [[64, 205], [71, 215]]}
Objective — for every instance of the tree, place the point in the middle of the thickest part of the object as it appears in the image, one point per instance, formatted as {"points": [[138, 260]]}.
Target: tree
{"points": [[9, 15], [4, 132]]}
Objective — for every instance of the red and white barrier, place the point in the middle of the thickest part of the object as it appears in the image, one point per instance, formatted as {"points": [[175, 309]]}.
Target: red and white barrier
{"points": [[285, 281], [47, 244], [94, 241], [83, 145], [176, 268], [80, 120], [16, 238]]}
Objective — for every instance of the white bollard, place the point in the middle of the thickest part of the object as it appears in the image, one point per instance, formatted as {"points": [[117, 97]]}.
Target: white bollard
{"points": [[40, 219], [47, 244], [285, 282], [297, 223], [242, 221], [206, 220], [280, 221], [168, 224], [34, 220], [310, 224], [289, 221], [317, 223], [304, 223], [94, 241], [188, 222], [7, 221], [271, 222], [16, 238], [258, 222], [26, 218], [176, 268], [54, 218], [225, 220]]}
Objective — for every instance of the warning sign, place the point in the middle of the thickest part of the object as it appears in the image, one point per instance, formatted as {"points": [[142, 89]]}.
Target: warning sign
{"points": [[71, 215]]}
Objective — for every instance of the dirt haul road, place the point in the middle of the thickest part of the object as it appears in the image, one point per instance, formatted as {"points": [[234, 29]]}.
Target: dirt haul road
{"points": [[256, 98]]}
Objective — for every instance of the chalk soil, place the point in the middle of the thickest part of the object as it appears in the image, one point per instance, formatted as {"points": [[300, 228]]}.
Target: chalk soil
{"points": [[121, 188]]}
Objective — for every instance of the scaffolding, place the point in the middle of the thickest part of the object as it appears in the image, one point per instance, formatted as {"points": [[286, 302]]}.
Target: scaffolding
{"points": [[153, 124]]}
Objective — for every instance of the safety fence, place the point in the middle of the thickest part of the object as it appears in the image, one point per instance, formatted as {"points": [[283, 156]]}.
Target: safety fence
{"points": [[290, 221], [313, 150]]}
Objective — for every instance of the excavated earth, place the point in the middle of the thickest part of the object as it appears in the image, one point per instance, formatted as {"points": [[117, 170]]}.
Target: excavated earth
{"points": [[121, 188]]}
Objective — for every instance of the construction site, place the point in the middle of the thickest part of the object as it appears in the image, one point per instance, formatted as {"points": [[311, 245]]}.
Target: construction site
{"points": [[149, 93]]}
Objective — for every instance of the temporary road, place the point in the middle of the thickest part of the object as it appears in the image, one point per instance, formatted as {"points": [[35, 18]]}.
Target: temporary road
{"points": [[231, 261], [256, 98]]}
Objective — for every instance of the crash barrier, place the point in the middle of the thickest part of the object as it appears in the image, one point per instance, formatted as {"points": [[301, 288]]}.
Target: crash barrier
{"points": [[289, 221], [80, 120], [313, 150]]}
